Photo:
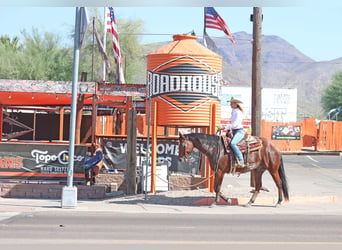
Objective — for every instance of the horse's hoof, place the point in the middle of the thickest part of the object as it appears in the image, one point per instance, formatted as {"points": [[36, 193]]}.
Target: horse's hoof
{"points": [[213, 205], [248, 205]]}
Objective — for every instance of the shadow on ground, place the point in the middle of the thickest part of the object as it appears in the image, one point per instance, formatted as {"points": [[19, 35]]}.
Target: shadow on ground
{"points": [[159, 199]]}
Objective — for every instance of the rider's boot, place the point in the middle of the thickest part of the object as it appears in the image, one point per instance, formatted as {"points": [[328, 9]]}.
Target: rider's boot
{"points": [[240, 164]]}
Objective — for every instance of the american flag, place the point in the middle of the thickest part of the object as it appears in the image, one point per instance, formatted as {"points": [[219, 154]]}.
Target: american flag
{"points": [[112, 28], [214, 21]]}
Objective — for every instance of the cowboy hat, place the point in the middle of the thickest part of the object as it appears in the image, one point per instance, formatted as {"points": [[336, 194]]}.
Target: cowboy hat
{"points": [[235, 100]]}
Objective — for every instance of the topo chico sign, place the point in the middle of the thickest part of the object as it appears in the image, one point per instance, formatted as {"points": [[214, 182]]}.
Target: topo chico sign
{"points": [[33, 161]]}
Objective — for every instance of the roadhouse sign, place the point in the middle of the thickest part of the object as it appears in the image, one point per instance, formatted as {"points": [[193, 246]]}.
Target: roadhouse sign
{"points": [[184, 78]]}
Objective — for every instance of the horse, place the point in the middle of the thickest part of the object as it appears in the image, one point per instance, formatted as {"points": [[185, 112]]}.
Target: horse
{"points": [[267, 157]]}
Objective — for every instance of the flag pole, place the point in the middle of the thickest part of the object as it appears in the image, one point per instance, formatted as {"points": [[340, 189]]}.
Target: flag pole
{"points": [[69, 192], [104, 45], [92, 52], [204, 31]]}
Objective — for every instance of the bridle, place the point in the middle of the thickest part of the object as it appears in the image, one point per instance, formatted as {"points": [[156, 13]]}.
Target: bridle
{"points": [[186, 154]]}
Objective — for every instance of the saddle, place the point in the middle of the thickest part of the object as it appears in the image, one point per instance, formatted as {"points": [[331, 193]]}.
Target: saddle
{"points": [[248, 144]]}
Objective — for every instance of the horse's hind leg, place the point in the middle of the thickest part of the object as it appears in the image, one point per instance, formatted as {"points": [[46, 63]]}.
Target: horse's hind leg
{"points": [[277, 181]]}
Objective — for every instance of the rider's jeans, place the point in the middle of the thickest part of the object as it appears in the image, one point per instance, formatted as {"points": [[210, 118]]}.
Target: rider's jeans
{"points": [[238, 136]]}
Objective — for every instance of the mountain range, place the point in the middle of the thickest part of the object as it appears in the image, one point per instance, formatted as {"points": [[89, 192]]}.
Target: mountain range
{"points": [[283, 66]]}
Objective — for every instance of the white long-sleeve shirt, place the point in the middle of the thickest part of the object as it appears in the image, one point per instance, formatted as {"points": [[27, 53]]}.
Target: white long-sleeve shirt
{"points": [[236, 119]]}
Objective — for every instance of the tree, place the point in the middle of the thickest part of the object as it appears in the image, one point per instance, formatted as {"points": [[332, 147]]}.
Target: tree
{"points": [[39, 57], [332, 95], [9, 51], [131, 50], [44, 58], [8, 43]]}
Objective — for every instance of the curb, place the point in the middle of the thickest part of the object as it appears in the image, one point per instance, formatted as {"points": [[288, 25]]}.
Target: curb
{"points": [[269, 201], [311, 153]]}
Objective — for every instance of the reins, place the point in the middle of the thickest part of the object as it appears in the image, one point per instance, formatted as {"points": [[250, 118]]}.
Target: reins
{"points": [[217, 156]]}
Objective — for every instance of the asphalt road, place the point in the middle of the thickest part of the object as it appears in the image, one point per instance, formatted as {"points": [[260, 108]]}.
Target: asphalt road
{"points": [[307, 176], [332, 162], [89, 230], [307, 222]]}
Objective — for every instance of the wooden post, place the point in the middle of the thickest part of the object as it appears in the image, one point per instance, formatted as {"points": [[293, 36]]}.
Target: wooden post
{"points": [[212, 131], [256, 76], [93, 122], [79, 112], [207, 168], [154, 149], [131, 176], [128, 107], [34, 125], [1, 120], [61, 123]]}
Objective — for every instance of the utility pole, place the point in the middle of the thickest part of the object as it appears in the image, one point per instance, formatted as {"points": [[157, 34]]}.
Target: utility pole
{"points": [[256, 18], [256, 71]]}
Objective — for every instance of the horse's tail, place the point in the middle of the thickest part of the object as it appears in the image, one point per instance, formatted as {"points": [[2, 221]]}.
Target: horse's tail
{"points": [[282, 175]]}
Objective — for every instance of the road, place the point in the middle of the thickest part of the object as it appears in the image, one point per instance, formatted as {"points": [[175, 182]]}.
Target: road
{"points": [[307, 176], [330, 162], [87, 230], [124, 224]]}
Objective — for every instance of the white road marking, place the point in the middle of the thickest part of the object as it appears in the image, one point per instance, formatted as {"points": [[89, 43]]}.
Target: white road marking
{"points": [[311, 158], [162, 242], [7, 215]]}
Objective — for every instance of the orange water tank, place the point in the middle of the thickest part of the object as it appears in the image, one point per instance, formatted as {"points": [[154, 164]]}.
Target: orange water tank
{"points": [[184, 80]]}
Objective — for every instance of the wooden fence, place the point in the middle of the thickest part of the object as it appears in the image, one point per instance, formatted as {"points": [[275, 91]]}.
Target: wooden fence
{"points": [[320, 135]]}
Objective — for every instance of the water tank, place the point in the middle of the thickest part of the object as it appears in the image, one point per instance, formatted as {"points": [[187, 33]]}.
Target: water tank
{"points": [[184, 80]]}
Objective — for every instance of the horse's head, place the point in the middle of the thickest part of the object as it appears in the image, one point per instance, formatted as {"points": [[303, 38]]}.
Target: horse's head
{"points": [[185, 147]]}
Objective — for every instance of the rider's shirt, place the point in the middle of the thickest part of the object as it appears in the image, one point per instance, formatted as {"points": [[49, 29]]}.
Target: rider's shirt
{"points": [[236, 119]]}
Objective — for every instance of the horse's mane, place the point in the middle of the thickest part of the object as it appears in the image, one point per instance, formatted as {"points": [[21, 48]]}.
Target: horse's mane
{"points": [[211, 140], [202, 136]]}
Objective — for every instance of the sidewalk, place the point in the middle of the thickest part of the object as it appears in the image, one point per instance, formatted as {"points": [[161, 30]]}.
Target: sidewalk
{"points": [[312, 191]]}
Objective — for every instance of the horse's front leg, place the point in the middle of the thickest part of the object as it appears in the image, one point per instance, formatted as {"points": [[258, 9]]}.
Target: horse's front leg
{"points": [[217, 187], [258, 184], [217, 195], [252, 199], [228, 200], [217, 199]]}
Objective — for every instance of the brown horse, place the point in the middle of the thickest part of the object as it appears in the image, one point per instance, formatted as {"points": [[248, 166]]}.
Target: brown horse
{"points": [[268, 157]]}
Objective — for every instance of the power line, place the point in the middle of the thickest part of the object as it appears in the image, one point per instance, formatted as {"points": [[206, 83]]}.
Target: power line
{"points": [[171, 34]]}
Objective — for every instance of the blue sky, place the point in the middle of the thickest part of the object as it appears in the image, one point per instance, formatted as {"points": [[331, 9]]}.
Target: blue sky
{"points": [[313, 28]]}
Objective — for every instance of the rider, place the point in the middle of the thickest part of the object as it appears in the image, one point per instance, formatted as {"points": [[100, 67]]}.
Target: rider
{"points": [[237, 128]]}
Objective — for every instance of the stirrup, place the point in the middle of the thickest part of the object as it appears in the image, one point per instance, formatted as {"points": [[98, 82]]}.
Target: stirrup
{"points": [[240, 164]]}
